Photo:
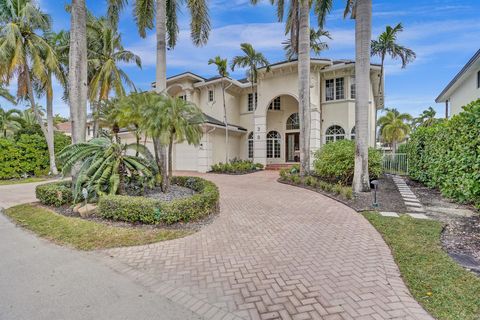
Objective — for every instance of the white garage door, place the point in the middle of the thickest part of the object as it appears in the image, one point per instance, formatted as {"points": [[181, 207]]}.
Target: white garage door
{"points": [[186, 157]]}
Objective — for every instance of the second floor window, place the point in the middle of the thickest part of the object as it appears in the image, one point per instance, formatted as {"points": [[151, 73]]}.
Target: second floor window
{"points": [[275, 104], [352, 88], [210, 95], [335, 89], [183, 97], [478, 79], [250, 101]]}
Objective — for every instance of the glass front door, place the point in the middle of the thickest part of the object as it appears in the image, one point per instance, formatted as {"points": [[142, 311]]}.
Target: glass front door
{"points": [[293, 147]]}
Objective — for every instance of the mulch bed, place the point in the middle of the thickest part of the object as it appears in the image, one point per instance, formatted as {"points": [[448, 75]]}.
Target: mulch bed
{"points": [[461, 235]]}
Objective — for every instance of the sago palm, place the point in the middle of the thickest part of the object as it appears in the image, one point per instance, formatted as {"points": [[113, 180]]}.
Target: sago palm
{"points": [[394, 127], [174, 120], [10, 121], [222, 66], [105, 166]]}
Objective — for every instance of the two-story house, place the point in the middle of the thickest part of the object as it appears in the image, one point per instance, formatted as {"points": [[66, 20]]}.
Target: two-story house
{"points": [[270, 134], [463, 88]]}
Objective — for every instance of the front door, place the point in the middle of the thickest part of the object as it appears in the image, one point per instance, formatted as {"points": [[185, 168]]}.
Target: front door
{"points": [[293, 147]]}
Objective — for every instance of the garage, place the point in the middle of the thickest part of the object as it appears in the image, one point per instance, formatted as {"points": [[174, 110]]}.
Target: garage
{"points": [[185, 157]]}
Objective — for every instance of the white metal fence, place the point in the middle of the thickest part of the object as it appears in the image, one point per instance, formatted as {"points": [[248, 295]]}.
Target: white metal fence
{"points": [[395, 163]]}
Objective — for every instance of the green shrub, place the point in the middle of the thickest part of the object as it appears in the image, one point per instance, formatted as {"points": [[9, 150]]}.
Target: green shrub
{"points": [[150, 211], [446, 155], [309, 181], [237, 166], [334, 162], [55, 193], [28, 155]]}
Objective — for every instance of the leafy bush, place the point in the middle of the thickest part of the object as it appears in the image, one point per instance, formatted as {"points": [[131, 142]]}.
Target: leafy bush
{"points": [[446, 155], [334, 162], [237, 166], [28, 155], [150, 211], [55, 193]]}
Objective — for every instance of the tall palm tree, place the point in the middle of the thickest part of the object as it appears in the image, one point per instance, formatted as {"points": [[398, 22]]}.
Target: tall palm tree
{"points": [[29, 56], [164, 13], [317, 45], [10, 121], [394, 127], [105, 52], [427, 118], [77, 70], [174, 120], [222, 65], [5, 94]]}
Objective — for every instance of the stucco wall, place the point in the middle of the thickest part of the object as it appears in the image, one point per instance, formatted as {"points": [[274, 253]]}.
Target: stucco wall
{"points": [[465, 93]]}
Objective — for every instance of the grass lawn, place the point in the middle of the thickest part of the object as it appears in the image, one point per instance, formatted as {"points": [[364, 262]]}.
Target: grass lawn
{"points": [[26, 180], [84, 234], [445, 289]]}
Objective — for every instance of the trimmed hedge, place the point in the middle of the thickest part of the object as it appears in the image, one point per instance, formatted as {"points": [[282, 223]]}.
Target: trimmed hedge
{"points": [[237, 166], [27, 155], [151, 211], [55, 193], [335, 162], [446, 155]]}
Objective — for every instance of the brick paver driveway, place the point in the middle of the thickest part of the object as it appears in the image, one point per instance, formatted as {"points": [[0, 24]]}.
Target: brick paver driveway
{"points": [[276, 252]]}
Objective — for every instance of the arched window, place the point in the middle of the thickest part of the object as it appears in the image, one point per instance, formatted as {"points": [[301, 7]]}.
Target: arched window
{"points": [[293, 122], [352, 134], [334, 133], [273, 144], [250, 145]]}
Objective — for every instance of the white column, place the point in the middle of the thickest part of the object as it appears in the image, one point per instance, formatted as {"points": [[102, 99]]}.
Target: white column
{"points": [[315, 132], [260, 139]]}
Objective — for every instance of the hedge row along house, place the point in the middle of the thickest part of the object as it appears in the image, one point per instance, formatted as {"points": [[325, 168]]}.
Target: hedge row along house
{"points": [[269, 135]]}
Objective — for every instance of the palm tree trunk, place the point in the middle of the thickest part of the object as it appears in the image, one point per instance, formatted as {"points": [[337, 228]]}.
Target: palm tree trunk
{"points": [[161, 83], [363, 34], [380, 94], [226, 123], [304, 86], [170, 157], [50, 133], [77, 75]]}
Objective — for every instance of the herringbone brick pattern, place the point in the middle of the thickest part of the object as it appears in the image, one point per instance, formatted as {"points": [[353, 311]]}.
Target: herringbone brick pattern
{"points": [[276, 252]]}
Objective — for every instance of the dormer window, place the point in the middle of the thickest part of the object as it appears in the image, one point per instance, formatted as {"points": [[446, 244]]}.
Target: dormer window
{"points": [[275, 104], [210, 96]]}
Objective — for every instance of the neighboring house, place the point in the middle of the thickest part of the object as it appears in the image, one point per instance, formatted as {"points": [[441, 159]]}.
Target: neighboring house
{"points": [[464, 88], [270, 134], [66, 128]]}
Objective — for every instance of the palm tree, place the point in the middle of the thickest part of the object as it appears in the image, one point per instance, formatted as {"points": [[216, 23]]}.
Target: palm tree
{"points": [[427, 118], [105, 165], [5, 94], [316, 44], [174, 120], [77, 67], [129, 114], [386, 45], [29, 56], [222, 66], [10, 121], [105, 52], [164, 13], [394, 127]]}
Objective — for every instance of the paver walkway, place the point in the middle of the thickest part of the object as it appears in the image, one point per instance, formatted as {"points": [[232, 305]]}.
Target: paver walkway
{"points": [[275, 252]]}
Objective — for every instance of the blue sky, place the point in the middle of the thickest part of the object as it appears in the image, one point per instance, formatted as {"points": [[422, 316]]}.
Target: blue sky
{"points": [[443, 33]]}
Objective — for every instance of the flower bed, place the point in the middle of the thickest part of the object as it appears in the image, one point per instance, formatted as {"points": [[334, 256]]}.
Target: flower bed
{"points": [[237, 167], [150, 211]]}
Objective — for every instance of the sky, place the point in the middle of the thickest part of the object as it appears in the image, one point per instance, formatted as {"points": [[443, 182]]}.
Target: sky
{"points": [[443, 33]]}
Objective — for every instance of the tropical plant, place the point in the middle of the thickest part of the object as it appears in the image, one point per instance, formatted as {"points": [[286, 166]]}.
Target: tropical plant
{"points": [[173, 120], [316, 44], [129, 114], [10, 121], [222, 65], [77, 66], [28, 56], [426, 119], [164, 14], [5, 94], [394, 127], [105, 53], [106, 168]]}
